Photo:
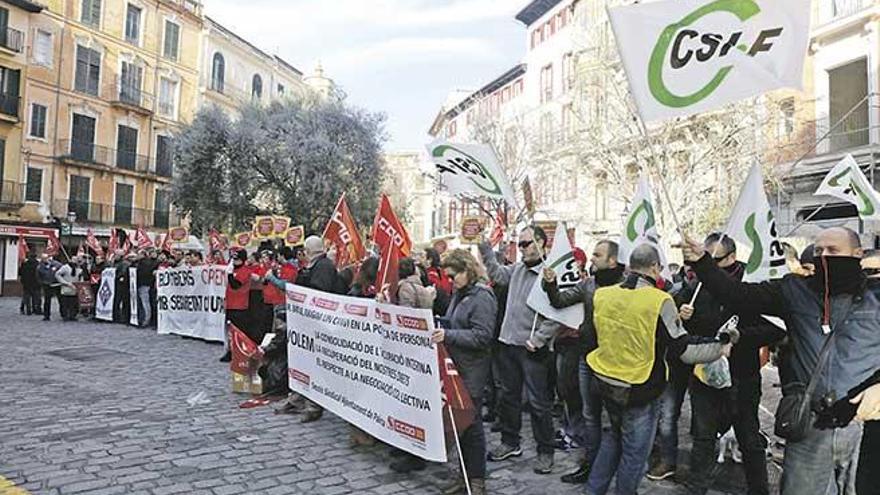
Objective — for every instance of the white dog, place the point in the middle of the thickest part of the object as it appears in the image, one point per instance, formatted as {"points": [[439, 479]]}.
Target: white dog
{"points": [[728, 444]]}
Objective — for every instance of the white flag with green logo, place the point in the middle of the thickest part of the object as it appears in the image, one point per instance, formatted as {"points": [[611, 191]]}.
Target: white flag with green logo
{"points": [[640, 226], [847, 182], [560, 260], [470, 170], [688, 56], [752, 225]]}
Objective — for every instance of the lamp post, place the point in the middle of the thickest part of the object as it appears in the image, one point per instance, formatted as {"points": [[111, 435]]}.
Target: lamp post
{"points": [[71, 219]]}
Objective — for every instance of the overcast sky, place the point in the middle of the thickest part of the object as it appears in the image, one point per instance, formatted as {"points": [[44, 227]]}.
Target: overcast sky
{"points": [[400, 57]]}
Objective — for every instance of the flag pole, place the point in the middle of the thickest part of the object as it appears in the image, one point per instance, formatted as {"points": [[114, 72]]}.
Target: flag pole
{"points": [[467, 483], [714, 254], [807, 219], [663, 187]]}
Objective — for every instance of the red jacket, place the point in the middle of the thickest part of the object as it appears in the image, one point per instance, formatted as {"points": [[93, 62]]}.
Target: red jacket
{"points": [[273, 295], [439, 279], [237, 298]]}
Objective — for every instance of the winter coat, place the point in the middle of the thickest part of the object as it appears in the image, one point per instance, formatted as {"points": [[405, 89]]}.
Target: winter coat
{"points": [[146, 272], [469, 336], [519, 318], [321, 275], [28, 274], [66, 276], [412, 294], [46, 272]]}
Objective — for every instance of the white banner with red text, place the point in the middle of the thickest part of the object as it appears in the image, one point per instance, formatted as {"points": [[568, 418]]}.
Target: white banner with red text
{"points": [[371, 364], [192, 301]]}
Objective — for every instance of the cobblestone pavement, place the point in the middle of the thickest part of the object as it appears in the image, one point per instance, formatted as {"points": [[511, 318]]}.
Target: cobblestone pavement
{"points": [[100, 408]]}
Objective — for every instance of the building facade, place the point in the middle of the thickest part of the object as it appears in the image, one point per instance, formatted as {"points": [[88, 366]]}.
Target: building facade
{"points": [[411, 193]]}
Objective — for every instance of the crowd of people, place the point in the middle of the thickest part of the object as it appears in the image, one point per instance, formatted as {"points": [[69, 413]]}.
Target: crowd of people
{"points": [[650, 337]]}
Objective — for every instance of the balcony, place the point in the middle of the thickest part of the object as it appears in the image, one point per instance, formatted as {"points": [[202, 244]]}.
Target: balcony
{"points": [[107, 214], [11, 194], [835, 10], [129, 97], [11, 40], [90, 154], [9, 106]]}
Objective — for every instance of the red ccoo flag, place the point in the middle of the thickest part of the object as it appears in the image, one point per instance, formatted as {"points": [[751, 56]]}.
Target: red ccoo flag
{"points": [[454, 394], [387, 274], [22, 249], [53, 247], [387, 229], [114, 244], [342, 231], [142, 239], [93, 244], [245, 352], [498, 232]]}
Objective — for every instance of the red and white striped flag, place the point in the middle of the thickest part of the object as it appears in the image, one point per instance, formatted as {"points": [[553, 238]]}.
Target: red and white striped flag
{"points": [[454, 394], [53, 247], [143, 240], [22, 249], [93, 243]]}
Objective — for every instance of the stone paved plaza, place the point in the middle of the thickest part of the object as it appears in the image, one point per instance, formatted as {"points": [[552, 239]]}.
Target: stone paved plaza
{"points": [[102, 409]]}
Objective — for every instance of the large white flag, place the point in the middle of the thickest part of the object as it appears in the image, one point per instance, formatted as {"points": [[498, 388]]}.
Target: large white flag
{"points": [[752, 224], [640, 226], [471, 170], [106, 294], [847, 182], [561, 260], [688, 56]]}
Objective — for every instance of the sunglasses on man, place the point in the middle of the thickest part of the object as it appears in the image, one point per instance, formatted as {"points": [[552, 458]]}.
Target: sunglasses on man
{"points": [[525, 244]]}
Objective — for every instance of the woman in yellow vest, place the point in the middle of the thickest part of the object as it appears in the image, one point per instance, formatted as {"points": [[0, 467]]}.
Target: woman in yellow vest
{"points": [[636, 326]]}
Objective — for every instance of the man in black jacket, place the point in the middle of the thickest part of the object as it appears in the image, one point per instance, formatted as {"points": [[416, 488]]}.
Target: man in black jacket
{"points": [[606, 271], [122, 290], [715, 410], [51, 288], [833, 302], [30, 286]]}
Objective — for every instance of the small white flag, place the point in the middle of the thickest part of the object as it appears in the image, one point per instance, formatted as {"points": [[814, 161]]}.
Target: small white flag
{"points": [[752, 224], [846, 181], [641, 224], [471, 170], [561, 260]]}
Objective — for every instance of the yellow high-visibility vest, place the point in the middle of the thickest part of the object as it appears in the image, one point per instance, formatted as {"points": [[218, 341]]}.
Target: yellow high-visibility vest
{"points": [[626, 327]]}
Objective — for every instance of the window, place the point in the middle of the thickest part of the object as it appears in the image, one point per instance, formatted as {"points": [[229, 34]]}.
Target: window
{"points": [[130, 84], [218, 72], [257, 87], [536, 38], [88, 70], [133, 24], [34, 189], [122, 208], [161, 209], [452, 129], [167, 97], [171, 47], [78, 196], [280, 90], [567, 122], [164, 163], [126, 147], [82, 143], [547, 84], [43, 49], [546, 127], [91, 12], [848, 89], [38, 120], [9, 87], [786, 119], [567, 72]]}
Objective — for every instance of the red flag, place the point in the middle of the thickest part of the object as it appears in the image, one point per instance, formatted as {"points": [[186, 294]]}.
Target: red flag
{"points": [[22, 249], [454, 394], [387, 229], [53, 248], [114, 243], [93, 243], [387, 275], [215, 242], [498, 232], [245, 353], [342, 231], [166, 242], [143, 240]]}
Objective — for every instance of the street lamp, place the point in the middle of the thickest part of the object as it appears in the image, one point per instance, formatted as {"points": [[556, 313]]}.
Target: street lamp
{"points": [[71, 219]]}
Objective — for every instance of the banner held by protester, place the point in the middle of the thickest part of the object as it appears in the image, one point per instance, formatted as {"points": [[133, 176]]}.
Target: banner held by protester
{"points": [[561, 260], [371, 364], [106, 294], [192, 301]]}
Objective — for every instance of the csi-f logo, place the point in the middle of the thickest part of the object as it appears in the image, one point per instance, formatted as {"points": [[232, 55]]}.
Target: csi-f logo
{"points": [[452, 160], [683, 46], [852, 189], [644, 212]]}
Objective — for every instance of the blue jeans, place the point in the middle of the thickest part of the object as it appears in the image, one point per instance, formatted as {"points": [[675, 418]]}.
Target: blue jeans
{"points": [[519, 367], [591, 433], [670, 412], [823, 463], [625, 448]]}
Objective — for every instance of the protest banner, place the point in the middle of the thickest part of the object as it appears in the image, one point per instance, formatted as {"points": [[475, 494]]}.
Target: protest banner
{"points": [[133, 296], [264, 227], [371, 364], [242, 239], [560, 260], [846, 181], [84, 296], [471, 170], [471, 230], [688, 56], [178, 234], [192, 301], [295, 236], [105, 295], [281, 226]]}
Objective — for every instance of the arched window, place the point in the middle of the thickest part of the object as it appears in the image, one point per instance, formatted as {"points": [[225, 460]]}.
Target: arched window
{"points": [[218, 70], [257, 87]]}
